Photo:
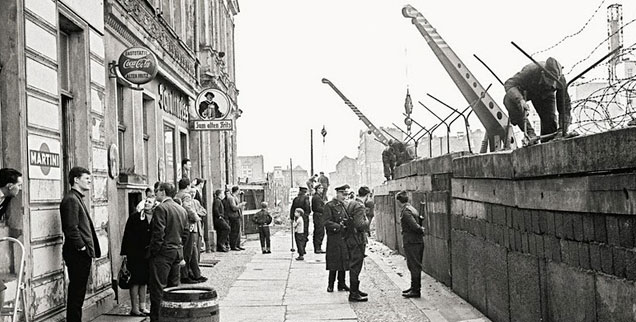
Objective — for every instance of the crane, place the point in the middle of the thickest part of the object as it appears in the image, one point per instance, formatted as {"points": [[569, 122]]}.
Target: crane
{"points": [[495, 121], [378, 134]]}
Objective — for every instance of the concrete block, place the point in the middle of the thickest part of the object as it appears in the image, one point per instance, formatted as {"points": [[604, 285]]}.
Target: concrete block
{"points": [[441, 182], [613, 236], [607, 262], [490, 165], [497, 293], [459, 258], [595, 257], [626, 231], [571, 295], [584, 255], [600, 228], [605, 151], [588, 227], [630, 264], [495, 191], [440, 164], [615, 299], [476, 273], [525, 296], [618, 258]]}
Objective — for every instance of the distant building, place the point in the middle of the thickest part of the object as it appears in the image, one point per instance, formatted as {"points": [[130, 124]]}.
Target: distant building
{"points": [[250, 168], [458, 142], [300, 176], [370, 168], [346, 173]]}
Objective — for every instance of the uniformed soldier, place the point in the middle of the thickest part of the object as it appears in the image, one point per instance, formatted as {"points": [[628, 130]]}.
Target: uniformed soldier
{"points": [[412, 236], [318, 209], [356, 239], [337, 256]]}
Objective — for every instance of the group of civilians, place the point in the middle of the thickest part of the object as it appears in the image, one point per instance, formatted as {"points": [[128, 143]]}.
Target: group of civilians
{"points": [[162, 242]]}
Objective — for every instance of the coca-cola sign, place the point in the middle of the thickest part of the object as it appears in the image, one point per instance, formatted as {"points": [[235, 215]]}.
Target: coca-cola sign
{"points": [[137, 65]]}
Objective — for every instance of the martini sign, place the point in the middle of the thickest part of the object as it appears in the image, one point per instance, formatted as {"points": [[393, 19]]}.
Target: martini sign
{"points": [[137, 65]]}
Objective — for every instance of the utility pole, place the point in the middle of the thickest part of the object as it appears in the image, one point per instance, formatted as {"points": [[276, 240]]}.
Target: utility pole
{"points": [[291, 173], [311, 141]]}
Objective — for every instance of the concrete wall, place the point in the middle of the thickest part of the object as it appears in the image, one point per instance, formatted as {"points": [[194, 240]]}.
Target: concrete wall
{"points": [[540, 233]]}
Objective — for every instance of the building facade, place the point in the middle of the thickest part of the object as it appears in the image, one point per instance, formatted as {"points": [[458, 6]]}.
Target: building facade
{"points": [[63, 104], [346, 173], [370, 158]]}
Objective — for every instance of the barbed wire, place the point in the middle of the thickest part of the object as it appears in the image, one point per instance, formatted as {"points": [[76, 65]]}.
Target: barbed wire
{"points": [[574, 34]]}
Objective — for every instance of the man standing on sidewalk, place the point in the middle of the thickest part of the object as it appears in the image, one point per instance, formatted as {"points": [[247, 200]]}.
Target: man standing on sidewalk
{"points": [[317, 207], [356, 239], [412, 233], [10, 186], [301, 201], [80, 241], [337, 257], [167, 230], [235, 212]]}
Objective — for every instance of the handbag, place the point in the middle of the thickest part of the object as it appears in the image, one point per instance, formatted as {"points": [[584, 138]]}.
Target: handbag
{"points": [[123, 278]]}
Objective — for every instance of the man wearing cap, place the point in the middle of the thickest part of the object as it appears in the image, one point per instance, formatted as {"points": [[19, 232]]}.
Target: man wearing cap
{"points": [[301, 201], [324, 181], [546, 88], [356, 239], [337, 257], [209, 108], [412, 237], [318, 209]]}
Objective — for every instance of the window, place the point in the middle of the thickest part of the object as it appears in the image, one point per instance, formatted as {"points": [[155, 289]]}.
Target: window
{"points": [[168, 147], [246, 172], [121, 126], [64, 61], [148, 106]]}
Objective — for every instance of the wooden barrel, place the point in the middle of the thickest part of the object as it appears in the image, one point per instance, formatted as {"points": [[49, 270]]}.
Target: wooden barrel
{"points": [[189, 303]]}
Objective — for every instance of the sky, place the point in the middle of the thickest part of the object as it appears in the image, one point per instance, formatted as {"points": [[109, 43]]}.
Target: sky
{"points": [[373, 54]]}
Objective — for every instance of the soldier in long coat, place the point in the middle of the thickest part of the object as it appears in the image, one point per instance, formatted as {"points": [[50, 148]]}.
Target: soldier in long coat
{"points": [[337, 256]]}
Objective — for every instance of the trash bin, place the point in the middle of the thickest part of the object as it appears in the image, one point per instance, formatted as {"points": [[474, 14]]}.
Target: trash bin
{"points": [[189, 303]]}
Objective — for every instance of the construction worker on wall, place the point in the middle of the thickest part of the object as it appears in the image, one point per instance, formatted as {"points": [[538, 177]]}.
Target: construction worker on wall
{"points": [[545, 90]]}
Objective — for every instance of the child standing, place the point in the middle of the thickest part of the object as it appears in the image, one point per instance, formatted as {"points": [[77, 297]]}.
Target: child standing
{"points": [[262, 219], [299, 233]]}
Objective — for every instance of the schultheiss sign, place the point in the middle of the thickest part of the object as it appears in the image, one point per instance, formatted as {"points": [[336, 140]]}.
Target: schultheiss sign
{"points": [[137, 65]]}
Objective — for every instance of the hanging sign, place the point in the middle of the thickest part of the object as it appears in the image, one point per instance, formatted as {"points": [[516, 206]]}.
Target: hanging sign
{"points": [[137, 65], [211, 111]]}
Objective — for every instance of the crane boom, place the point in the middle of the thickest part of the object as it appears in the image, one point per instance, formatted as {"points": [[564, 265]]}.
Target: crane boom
{"points": [[489, 113], [378, 134]]}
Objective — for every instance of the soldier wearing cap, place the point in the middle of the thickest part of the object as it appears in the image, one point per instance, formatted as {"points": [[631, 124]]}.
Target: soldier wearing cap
{"points": [[301, 201], [318, 209], [356, 239], [337, 256]]}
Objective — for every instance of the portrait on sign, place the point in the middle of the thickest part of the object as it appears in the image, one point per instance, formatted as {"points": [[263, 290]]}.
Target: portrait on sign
{"points": [[211, 104]]}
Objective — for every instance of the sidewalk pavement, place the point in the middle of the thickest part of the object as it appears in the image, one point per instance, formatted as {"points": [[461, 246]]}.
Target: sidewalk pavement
{"points": [[275, 288]]}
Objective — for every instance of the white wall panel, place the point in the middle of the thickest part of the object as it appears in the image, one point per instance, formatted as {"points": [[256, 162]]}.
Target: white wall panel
{"points": [[41, 76], [43, 113], [40, 40]]}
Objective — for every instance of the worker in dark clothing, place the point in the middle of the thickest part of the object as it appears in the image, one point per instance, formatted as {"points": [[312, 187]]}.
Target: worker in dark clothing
{"points": [[356, 239], [545, 90], [388, 161], [317, 207], [220, 223], [301, 201], [412, 236], [337, 256], [324, 182], [401, 153]]}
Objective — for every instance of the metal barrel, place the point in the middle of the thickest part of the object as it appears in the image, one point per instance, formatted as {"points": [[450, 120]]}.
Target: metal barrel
{"points": [[189, 303]]}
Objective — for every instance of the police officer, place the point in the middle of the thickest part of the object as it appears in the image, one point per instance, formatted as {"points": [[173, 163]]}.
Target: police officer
{"points": [[356, 239], [337, 257], [412, 236], [318, 209]]}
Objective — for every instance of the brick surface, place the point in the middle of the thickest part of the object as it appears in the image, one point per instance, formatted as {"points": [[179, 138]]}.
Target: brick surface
{"points": [[509, 216], [615, 299], [595, 257], [588, 227], [613, 237], [558, 225], [618, 258], [600, 228], [538, 240], [570, 252], [584, 255], [546, 222], [630, 264], [577, 226], [525, 296], [571, 295], [535, 221], [607, 264], [626, 231], [568, 228], [498, 214]]}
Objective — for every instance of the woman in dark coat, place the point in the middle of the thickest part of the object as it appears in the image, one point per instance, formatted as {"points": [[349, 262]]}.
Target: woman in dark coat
{"points": [[134, 247], [337, 256]]}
